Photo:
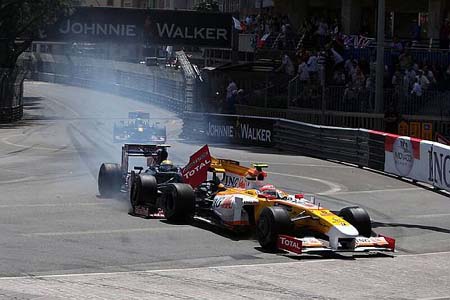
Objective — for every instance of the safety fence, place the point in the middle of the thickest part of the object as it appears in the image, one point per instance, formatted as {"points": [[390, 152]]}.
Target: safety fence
{"points": [[312, 95], [165, 86], [437, 57], [417, 159]]}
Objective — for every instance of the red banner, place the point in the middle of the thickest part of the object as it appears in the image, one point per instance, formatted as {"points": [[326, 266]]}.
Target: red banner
{"points": [[196, 170]]}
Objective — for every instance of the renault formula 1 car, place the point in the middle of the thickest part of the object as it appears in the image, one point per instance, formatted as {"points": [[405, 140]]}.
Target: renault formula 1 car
{"points": [[237, 198], [139, 129]]}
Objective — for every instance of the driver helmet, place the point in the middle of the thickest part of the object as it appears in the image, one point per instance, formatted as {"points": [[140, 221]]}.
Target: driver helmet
{"points": [[166, 166], [269, 190]]}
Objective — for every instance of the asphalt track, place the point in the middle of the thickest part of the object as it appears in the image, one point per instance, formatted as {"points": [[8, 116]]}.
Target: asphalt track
{"points": [[55, 229]]}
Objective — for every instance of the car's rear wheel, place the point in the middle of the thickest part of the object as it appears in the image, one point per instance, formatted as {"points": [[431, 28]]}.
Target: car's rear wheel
{"points": [[359, 218], [272, 222], [144, 190], [178, 202], [109, 179]]}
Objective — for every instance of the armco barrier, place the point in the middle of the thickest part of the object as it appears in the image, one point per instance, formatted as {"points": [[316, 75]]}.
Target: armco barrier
{"points": [[163, 86], [343, 144], [419, 160]]}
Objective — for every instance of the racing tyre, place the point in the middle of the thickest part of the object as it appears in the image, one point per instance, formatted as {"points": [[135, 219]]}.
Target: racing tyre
{"points": [[144, 190], [272, 222], [359, 218], [109, 179], [178, 202]]}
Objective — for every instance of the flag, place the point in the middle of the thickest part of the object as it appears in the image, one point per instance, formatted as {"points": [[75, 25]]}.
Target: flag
{"points": [[262, 41], [237, 24]]}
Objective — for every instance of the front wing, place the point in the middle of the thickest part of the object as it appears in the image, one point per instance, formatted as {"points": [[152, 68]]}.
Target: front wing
{"points": [[314, 245]]}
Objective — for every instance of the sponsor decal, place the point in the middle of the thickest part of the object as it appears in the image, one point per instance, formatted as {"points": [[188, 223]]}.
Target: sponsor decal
{"points": [[405, 151], [173, 31], [220, 130], [255, 134], [242, 130], [235, 181], [371, 241], [289, 244], [163, 27], [196, 170], [97, 29], [439, 166]]}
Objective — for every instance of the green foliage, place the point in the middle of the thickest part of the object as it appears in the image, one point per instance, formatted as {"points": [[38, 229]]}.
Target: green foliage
{"points": [[207, 5], [20, 21]]}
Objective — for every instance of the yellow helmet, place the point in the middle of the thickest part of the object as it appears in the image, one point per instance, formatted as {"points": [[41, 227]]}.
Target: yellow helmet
{"points": [[166, 165]]}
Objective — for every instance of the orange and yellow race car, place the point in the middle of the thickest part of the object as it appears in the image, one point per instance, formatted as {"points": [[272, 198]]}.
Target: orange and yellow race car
{"points": [[238, 198]]}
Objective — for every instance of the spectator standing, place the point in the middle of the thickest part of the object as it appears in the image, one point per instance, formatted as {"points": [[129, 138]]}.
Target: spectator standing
{"points": [[391, 118], [417, 93], [405, 60], [322, 32], [423, 80], [313, 66], [231, 96], [286, 65], [397, 49], [303, 72]]}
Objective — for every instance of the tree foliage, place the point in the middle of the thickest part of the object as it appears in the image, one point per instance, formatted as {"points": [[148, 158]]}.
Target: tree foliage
{"points": [[207, 5], [20, 21]]}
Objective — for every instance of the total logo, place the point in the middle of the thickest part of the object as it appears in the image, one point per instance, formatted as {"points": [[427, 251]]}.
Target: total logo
{"points": [[403, 156], [290, 243]]}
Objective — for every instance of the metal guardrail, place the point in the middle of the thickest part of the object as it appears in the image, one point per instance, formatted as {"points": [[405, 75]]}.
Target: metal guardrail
{"points": [[388, 153], [341, 144], [165, 87], [325, 142]]}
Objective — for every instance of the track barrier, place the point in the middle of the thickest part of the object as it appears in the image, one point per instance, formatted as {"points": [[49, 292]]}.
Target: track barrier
{"points": [[416, 159]]}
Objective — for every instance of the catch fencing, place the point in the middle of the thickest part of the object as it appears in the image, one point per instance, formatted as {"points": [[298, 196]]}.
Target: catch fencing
{"points": [[311, 95], [406, 157]]}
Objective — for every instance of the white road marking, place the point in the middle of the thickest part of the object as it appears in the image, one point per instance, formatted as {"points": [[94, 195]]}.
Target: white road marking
{"points": [[86, 232], [334, 187], [23, 179], [208, 268], [378, 191], [5, 140], [301, 165], [426, 216]]}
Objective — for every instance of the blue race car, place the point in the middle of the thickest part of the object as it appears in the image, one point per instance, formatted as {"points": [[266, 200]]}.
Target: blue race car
{"points": [[138, 129]]}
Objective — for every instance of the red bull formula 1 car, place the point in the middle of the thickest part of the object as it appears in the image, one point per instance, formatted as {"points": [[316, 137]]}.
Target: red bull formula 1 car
{"points": [[139, 129], [237, 198]]}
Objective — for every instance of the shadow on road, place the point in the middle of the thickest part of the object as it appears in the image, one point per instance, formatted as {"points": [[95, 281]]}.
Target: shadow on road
{"points": [[418, 226]]}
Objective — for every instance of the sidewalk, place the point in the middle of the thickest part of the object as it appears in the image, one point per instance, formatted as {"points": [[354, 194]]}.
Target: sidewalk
{"points": [[424, 276]]}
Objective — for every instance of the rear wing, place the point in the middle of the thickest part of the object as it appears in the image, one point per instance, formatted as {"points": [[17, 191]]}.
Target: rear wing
{"points": [[155, 153], [196, 171], [236, 175]]}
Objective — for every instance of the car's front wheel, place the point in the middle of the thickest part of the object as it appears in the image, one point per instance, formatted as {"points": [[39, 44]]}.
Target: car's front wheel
{"points": [[178, 202], [359, 218], [272, 222], [144, 190]]}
